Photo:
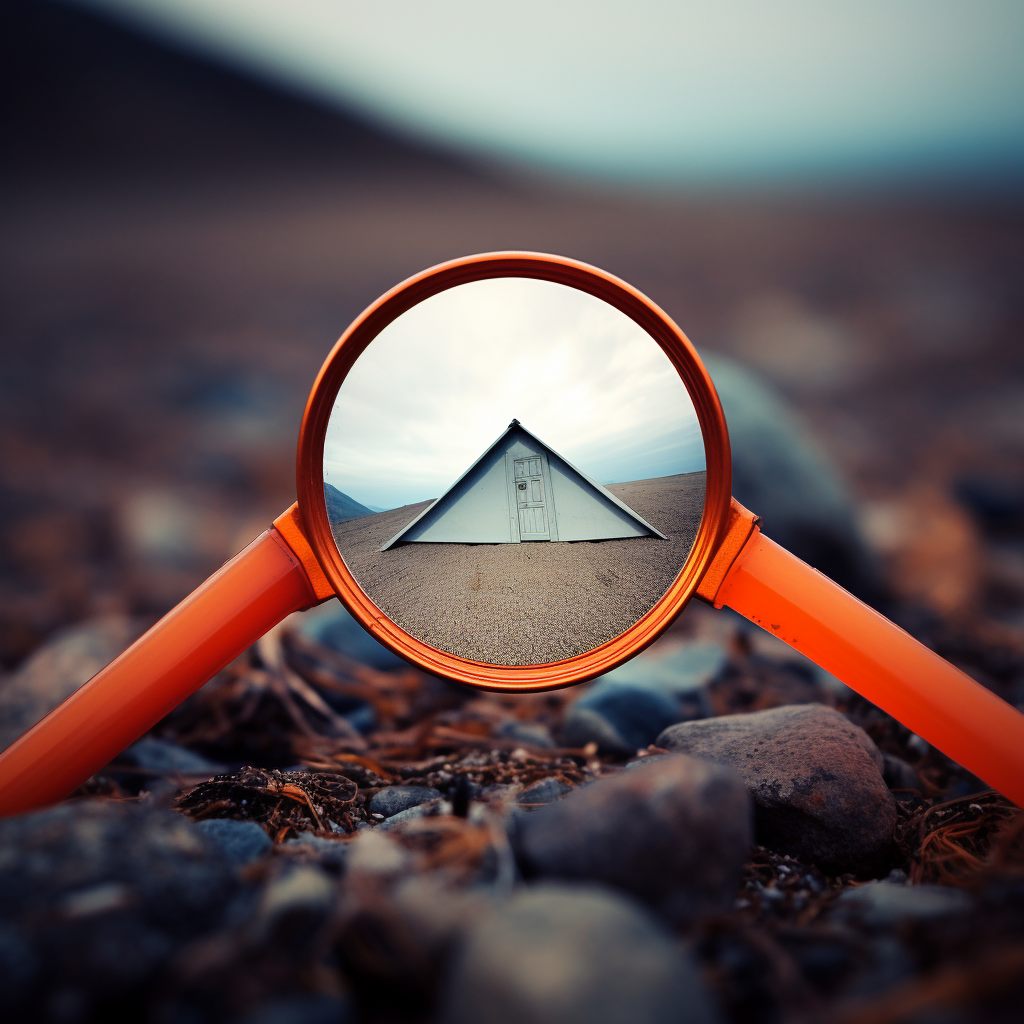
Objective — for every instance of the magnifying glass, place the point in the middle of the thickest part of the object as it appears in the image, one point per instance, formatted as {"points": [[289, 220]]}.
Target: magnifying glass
{"points": [[514, 471]]}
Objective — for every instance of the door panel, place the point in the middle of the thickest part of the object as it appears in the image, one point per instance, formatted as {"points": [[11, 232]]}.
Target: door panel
{"points": [[533, 512]]}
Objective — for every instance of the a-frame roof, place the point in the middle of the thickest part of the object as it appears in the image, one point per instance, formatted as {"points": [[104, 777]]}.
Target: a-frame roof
{"points": [[514, 426]]}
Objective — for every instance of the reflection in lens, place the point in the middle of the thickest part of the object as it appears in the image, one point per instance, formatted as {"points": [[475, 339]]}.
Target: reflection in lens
{"points": [[514, 472]]}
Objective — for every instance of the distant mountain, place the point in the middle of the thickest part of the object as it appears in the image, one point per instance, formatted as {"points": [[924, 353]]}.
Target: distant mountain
{"points": [[341, 507]]}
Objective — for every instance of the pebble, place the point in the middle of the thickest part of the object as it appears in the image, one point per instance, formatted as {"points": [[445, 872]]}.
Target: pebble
{"points": [[241, 841], [815, 777], [294, 905], [558, 954], [531, 734], [582, 725], [620, 718], [898, 774], [884, 904], [304, 1008], [780, 473], [168, 758], [544, 792], [395, 799], [99, 894], [328, 853], [72, 657], [675, 834], [374, 853], [332, 626], [423, 810]]}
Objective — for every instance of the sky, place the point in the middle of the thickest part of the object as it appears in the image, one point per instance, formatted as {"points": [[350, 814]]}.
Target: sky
{"points": [[439, 385], [650, 90]]}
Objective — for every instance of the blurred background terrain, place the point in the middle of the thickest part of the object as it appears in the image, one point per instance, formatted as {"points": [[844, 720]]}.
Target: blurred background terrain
{"points": [[183, 242], [197, 198]]}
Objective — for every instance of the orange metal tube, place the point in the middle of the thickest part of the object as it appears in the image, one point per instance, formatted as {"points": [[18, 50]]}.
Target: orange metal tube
{"points": [[873, 656], [235, 607]]}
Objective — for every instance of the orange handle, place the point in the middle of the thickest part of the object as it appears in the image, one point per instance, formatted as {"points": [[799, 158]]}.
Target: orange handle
{"points": [[194, 641], [873, 656]]}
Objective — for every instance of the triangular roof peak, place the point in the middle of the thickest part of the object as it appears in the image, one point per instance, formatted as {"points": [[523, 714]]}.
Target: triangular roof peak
{"points": [[535, 495]]}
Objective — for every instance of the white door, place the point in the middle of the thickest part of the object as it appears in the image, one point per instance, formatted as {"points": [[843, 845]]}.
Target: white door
{"points": [[533, 510]]}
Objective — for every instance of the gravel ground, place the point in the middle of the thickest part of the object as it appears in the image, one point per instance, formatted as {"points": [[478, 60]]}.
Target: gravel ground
{"points": [[526, 604]]}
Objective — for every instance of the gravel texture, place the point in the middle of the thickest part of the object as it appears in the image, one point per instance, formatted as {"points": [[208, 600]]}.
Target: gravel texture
{"points": [[526, 604]]}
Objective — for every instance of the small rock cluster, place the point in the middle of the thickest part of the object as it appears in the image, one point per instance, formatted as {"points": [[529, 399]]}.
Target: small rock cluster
{"points": [[657, 846]]}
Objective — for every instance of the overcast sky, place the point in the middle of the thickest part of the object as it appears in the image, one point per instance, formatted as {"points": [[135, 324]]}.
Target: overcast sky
{"points": [[674, 90], [444, 380]]}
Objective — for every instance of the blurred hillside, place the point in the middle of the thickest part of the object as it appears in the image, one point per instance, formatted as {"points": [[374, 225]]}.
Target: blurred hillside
{"points": [[182, 245]]}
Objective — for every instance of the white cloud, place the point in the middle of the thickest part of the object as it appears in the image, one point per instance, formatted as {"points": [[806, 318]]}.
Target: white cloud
{"points": [[441, 382]]}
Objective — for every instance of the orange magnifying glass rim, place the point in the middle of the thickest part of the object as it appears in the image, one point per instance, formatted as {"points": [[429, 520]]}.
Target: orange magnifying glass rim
{"points": [[675, 344]]}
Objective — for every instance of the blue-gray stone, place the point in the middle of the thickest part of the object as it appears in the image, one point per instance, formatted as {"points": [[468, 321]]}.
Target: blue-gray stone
{"points": [[412, 813], [240, 841], [396, 799], [782, 474], [637, 713], [882, 904], [671, 668], [562, 954], [168, 758], [530, 734], [332, 626], [543, 792]]}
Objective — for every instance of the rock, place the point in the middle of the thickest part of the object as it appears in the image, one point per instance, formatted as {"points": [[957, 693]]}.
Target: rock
{"points": [[544, 792], [815, 777], [779, 472], [530, 734], [332, 626], [166, 758], [675, 834], [674, 669], [630, 717], [100, 895], [241, 841], [559, 954], [884, 904], [396, 799], [373, 853], [898, 774], [69, 659], [328, 853], [302, 1008], [423, 810], [581, 725], [295, 905]]}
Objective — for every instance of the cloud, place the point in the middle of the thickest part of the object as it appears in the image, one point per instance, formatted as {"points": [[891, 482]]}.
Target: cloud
{"points": [[441, 382]]}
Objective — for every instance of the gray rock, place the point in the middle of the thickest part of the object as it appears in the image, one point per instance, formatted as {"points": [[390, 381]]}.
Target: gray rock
{"points": [[898, 774], [675, 834], [544, 792], [156, 755], [636, 714], [779, 472], [329, 853], [530, 734], [427, 809], [70, 658], [396, 799], [302, 1008], [674, 669], [332, 626], [582, 725], [241, 841], [101, 894], [883, 904], [573, 955], [295, 905], [815, 777]]}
